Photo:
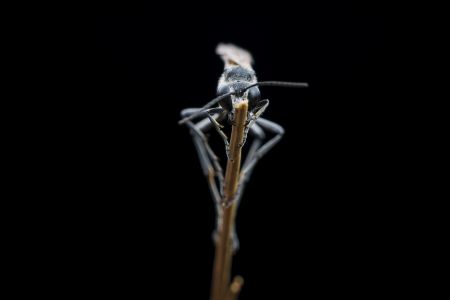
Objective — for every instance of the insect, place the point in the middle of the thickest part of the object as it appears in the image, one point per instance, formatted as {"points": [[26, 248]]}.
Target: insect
{"points": [[237, 83]]}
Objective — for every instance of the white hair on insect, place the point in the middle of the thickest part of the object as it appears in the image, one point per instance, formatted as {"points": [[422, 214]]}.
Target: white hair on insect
{"points": [[234, 55]]}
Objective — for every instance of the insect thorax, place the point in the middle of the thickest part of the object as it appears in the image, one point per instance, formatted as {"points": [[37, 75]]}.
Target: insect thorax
{"points": [[239, 73]]}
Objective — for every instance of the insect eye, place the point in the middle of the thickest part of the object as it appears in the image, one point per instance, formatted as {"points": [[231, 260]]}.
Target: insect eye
{"points": [[226, 102], [254, 95]]}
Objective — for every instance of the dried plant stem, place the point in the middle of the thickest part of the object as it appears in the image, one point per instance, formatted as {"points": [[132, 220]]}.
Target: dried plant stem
{"points": [[221, 287], [235, 288]]}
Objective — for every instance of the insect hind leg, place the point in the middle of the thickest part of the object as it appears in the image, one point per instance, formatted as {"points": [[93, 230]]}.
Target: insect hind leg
{"points": [[253, 116], [208, 161]]}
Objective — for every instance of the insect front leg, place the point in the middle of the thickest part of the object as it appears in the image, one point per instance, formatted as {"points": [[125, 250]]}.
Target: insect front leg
{"points": [[253, 115], [219, 127], [260, 108]]}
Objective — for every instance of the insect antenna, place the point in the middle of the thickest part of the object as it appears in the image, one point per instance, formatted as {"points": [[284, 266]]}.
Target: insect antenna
{"points": [[207, 105], [279, 83], [261, 83]]}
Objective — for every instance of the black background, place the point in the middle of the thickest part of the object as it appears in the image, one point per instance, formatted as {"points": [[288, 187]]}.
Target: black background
{"points": [[313, 218]]}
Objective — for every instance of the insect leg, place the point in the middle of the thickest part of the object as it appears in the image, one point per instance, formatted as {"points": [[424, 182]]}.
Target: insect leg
{"points": [[207, 167], [218, 128], [208, 161], [210, 174], [270, 126], [209, 113], [259, 136], [253, 116], [260, 108], [198, 129], [254, 156]]}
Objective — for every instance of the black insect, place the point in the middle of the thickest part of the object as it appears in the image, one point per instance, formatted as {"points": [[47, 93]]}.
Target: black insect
{"points": [[237, 83]]}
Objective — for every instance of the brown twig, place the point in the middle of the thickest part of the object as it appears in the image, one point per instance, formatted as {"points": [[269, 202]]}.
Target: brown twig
{"points": [[221, 288], [235, 288]]}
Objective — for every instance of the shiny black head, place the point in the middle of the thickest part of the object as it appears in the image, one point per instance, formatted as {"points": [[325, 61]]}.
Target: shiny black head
{"points": [[236, 80], [239, 89]]}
